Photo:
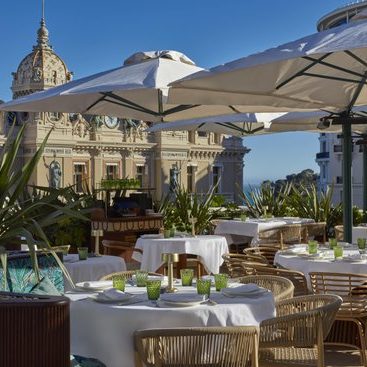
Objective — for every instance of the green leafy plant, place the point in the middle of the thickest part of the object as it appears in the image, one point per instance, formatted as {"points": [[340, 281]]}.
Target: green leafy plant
{"points": [[218, 201], [307, 202], [25, 212], [180, 205], [265, 200]]}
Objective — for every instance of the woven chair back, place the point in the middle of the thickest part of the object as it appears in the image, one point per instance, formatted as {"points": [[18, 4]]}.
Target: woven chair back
{"points": [[207, 346], [282, 288], [305, 320], [314, 231], [234, 263], [339, 232], [351, 287], [267, 251], [296, 277]]}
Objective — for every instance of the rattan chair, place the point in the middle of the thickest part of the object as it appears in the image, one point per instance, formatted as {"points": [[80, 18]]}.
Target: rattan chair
{"points": [[122, 248], [128, 274], [235, 263], [296, 277], [339, 232], [199, 347], [295, 337], [352, 289], [312, 231], [267, 251], [282, 236], [35, 330], [282, 288]]}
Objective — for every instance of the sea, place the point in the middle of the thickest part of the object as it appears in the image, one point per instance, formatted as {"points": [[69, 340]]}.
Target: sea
{"points": [[247, 188]]}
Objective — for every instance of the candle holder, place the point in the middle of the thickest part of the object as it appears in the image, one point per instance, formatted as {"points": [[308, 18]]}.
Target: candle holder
{"points": [[169, 259], [96, 233]]}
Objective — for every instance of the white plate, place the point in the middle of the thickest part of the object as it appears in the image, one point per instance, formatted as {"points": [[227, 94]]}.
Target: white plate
{"points": [[103, 299], [182, 299], [98, 285]]}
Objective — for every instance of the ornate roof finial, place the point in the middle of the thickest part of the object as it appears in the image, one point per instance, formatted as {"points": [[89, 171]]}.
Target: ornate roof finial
{"points": [[42, 33]]}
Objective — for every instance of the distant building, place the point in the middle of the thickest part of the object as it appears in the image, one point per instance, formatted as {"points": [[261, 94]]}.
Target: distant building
{"points": [[330, 156], [90, 148]]}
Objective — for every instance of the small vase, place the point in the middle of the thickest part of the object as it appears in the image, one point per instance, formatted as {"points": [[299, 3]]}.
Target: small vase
{"points": [[167, 233]]}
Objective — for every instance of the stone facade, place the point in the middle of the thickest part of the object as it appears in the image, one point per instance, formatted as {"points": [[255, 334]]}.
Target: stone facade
{"points": [[90, 148]]}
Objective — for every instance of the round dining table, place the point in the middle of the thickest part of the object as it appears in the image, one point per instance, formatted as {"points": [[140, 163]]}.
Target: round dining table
{"points": [[105, 331], [238, 231], [209, 249], [93, 268], [297, 258]]}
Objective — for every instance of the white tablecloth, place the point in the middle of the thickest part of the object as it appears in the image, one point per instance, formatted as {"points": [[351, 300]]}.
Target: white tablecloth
{"points": [[209, 249], [251, 228], [106, 331], [358, 232], [324, 264], [91, 269]]}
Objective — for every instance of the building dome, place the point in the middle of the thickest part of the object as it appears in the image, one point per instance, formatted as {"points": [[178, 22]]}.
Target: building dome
{"points": [[41, 69]]}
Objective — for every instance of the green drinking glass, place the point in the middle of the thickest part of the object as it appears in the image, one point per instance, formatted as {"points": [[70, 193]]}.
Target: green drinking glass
{"points": [[83, 253], [118, 282], [333, 242], [243, 217], [312, 247], [338, 252], [221, 281], [153, 289], [172, 231], [141, 278], [361, 242], [203, 286], [187, 275]]}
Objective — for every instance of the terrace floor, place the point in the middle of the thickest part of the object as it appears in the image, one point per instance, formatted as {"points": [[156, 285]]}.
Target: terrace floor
{"points": [[335, 357]]}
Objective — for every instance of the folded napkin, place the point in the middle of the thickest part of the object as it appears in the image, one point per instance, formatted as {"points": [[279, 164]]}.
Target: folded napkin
{"points": [[96, 284], [114, 294], [241, 290]]}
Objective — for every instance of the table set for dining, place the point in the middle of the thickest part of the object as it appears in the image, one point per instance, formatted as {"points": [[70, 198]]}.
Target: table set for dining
{"points": [[352, 260], [208, 248], [103, 328], [93, 268], [240, 231]]}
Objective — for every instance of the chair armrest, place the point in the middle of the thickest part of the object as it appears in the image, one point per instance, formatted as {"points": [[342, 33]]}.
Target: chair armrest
{"points": [[297, 330]]}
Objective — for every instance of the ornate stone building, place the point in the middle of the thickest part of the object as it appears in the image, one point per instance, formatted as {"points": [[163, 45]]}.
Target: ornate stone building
{"points": [[89, 148]]}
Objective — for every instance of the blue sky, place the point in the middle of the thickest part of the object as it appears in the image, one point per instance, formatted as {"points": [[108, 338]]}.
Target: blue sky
{"points": [[95, 35]]}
